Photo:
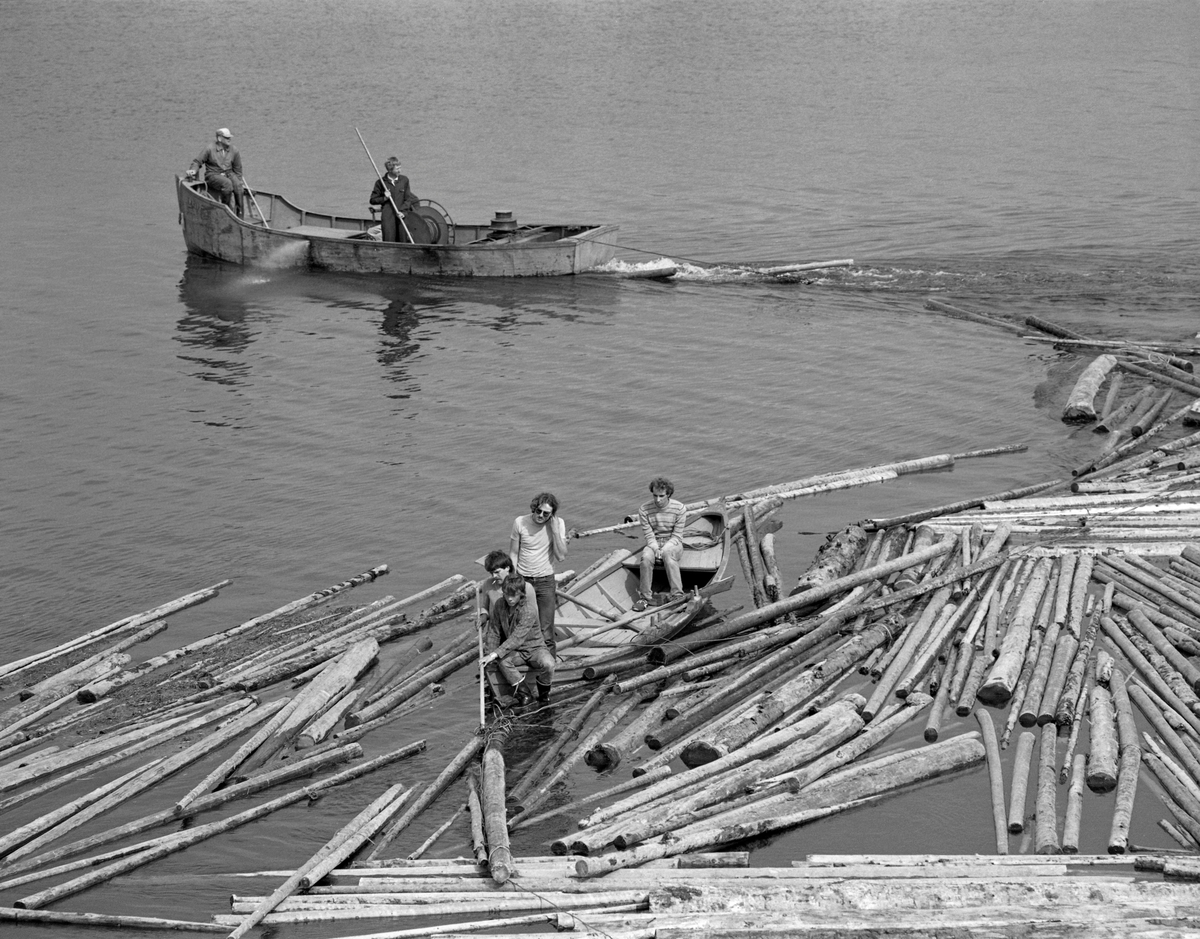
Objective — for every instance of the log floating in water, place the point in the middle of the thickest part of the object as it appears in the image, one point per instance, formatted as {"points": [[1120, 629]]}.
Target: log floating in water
{"points": [[1080, 403]]}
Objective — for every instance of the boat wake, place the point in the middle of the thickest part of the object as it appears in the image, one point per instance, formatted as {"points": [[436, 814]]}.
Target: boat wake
{"points": [[292, 254]]}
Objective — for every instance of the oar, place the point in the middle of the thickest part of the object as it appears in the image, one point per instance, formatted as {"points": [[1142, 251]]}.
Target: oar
{"points": [[387, 192], [261, 217]]}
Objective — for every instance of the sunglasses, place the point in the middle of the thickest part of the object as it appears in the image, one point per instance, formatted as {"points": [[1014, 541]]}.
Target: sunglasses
{"points": [[543, 513]]}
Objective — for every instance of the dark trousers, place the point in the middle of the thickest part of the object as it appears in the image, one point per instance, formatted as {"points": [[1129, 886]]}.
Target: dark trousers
{"points": [[543, 588], [226, 188]]}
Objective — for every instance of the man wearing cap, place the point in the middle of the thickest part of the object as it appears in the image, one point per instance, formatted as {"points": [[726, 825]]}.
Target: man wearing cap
{"points": [[222, 170], [391, 188]]}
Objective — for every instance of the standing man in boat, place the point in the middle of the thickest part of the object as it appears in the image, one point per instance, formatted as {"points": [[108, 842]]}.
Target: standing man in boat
{"points": [[391, 188], [538, 540], [515, 616], [662, 521], [222, 170]]}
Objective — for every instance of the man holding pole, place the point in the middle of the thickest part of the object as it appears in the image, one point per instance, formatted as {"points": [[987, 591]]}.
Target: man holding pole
{"points": [[393, 196]]}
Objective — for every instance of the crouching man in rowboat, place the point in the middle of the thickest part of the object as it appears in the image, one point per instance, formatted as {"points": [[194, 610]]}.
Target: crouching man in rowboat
{"points": [[220, 167], [663, 519], [514, 620]]}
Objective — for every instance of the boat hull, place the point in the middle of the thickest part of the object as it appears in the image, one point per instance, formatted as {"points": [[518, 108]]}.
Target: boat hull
{"points": [[287, 236]]}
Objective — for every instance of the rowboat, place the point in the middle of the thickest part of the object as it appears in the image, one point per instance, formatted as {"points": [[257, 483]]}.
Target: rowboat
{"points": [[595, 612], [280, 234]]}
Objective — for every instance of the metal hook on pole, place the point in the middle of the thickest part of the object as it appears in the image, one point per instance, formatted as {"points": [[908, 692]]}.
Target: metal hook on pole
{"points": [[387, 192]]}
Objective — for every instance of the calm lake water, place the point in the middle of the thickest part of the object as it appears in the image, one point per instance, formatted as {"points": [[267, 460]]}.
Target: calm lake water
{"points": [[169, 422]]}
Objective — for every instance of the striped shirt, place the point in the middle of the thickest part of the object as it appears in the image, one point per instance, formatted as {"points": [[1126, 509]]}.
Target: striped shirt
{"points": [[660, 525]]}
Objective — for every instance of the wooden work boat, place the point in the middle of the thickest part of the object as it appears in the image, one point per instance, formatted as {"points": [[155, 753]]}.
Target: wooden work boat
{"points": [[596, 615], [279, 234]]}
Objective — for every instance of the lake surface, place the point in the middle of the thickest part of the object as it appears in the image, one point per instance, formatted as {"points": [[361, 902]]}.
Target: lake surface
{"points": [[169, 422]]}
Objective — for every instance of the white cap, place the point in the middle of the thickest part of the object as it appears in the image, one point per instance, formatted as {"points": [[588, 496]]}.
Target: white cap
{"points": [[223, 132]]}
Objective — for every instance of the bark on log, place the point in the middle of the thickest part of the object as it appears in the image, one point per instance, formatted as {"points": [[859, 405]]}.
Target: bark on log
{"points": [[1080, 407], [1074, 813], [998, 687], [1020, 782], [834, 559], [1118, 836], [773, 579], [495, 823], [1046, 817], [995, 778], [1102, 761], [475, 808]]}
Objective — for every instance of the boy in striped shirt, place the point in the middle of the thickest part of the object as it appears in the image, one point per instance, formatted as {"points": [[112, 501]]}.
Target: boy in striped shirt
{"points": [[662, 521]]}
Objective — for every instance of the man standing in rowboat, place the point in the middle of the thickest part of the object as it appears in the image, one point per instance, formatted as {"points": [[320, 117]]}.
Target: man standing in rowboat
{"points": [[220, 167], [663, 520], [537, 541], [391, 188]]}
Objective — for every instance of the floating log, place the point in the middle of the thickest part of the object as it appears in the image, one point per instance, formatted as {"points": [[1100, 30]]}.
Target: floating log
{"points": [[1046, 814], [941, 701], [1071, 823], [834, 559], [495, 824], [1102, 761], [1020, 782], [773, 579], [960, 313], [1118, 837], [110, 920], [526, 783], [998, 687], [995, 778], [1052, 329], [1080, 407]]}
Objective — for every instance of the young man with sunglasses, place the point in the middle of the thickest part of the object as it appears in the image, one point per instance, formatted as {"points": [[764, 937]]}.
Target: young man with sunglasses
{"points": [[514, 616], [538, 540]]}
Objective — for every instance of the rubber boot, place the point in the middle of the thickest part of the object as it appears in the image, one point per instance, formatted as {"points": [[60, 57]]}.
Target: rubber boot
{"points": [[543, 693], [521, 695]]}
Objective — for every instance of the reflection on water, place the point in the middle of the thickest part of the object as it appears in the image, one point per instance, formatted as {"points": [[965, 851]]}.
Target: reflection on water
{"points": [[396, 344], [217, 300]]}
